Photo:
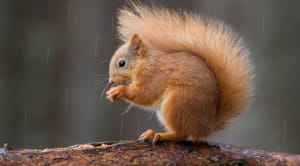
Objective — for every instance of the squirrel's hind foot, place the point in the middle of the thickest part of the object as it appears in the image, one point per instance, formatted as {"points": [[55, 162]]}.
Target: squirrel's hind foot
{"points": [[152, 136]]}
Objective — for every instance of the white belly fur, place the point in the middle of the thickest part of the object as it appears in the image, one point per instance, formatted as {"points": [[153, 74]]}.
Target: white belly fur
{"points": [[157, 107]]}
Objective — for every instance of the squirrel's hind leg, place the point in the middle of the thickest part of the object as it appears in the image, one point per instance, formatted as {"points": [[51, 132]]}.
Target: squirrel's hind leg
{"points": [[174, 117]]}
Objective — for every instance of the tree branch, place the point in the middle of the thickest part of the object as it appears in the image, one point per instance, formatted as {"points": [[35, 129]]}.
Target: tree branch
{"points": [[136, 153]]}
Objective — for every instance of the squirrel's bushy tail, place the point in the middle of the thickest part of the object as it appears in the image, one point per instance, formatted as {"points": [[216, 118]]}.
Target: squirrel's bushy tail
{"points": [[214, 41]]}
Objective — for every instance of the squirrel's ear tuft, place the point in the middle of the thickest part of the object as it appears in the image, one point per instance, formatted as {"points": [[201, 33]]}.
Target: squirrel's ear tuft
{"points": [[136, 45]]}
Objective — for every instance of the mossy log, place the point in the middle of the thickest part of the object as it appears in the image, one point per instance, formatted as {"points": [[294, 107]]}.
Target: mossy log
{"points": [[137, 153]]}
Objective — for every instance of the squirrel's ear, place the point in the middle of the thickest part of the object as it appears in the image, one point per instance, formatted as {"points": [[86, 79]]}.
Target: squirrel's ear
{"points": [[136, 45]]}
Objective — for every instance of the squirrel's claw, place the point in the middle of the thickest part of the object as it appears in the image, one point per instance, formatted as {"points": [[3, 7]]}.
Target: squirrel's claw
{"points": [[155, 138], [150, 135]]}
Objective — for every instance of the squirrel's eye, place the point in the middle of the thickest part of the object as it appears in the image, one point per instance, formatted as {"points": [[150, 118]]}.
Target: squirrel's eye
{"points": [[122, 63]]}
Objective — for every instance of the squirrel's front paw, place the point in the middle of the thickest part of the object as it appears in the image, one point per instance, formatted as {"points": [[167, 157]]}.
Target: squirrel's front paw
{"points": [[114, 94]]}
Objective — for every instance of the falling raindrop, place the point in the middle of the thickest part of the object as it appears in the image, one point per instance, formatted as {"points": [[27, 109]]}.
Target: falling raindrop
{"points": [[66, 97], [96, 47], [122, 118], [121, 125], [47, 54], [284, 132], [112, 26], [25, 114], [26, 140], [69, 11], [139, 127], [89, 100], [263, 26]]}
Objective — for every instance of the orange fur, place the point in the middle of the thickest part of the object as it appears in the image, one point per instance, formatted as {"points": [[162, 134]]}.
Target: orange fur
{"points": [[194, 70]]}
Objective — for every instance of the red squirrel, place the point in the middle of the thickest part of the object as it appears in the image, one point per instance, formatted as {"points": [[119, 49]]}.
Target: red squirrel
{"points": [[193, 71]]}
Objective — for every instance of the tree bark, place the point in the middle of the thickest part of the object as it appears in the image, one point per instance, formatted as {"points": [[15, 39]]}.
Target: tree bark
{"points": [[137, 153]]}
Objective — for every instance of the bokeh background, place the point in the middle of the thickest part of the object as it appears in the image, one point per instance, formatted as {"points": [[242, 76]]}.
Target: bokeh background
{"points": [[54, 58]]}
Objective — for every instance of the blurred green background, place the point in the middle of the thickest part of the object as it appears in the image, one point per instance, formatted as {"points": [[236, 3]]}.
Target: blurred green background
{"points": [[54, 58]]}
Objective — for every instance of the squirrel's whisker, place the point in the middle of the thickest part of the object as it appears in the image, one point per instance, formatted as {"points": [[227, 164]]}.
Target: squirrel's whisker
{"points": [[104, 89], [127, 109]]}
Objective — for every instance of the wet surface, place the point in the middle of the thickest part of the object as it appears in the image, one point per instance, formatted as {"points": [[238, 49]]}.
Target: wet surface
{"points": [[137, 153]]}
